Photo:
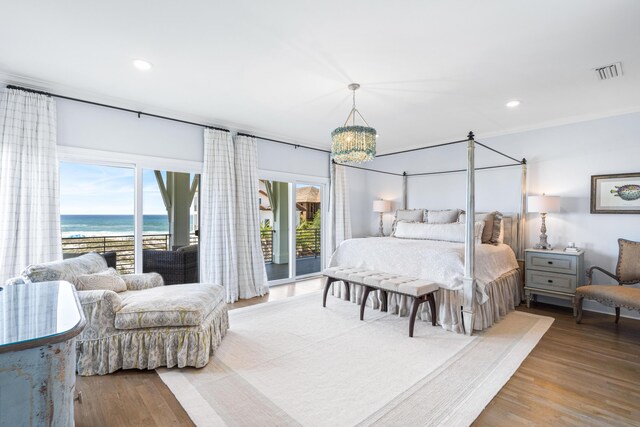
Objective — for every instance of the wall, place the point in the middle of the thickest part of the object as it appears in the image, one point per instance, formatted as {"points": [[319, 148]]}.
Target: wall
{"points": [[560, 160], [98, 128]]}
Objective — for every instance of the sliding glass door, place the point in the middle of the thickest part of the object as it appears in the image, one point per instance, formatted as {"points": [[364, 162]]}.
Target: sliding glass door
{"points": [[308, 229], [291, 227], [148, 216]]}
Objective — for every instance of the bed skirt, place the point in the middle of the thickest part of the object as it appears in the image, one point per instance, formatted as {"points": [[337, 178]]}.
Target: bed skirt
{"points": [[505, 293], [150, 348]]}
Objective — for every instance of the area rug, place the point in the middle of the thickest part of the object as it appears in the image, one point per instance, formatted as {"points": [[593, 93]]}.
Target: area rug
{"points": [[292, 362]]}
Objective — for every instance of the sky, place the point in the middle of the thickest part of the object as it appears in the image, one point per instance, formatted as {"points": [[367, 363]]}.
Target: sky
{"points": [[106, 190]]}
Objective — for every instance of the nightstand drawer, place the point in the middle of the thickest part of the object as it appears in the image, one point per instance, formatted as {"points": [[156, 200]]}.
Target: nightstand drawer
{"points": [[552, 262], [550, 281]]}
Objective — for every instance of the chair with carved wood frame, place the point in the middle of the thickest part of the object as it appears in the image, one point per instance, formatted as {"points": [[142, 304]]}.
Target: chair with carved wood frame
{"points": [[627, 273]]}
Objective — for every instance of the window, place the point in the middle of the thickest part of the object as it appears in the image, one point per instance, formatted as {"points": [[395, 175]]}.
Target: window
{"points": [[97, 205], [129, 208]]}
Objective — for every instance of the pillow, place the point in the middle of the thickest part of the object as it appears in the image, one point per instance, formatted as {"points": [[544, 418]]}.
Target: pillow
{"points": [[492, 221], [410, 215], [453, 232], [108, 280], [446, 216]]}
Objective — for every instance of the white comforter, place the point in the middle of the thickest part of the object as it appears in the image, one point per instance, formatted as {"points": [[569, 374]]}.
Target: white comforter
{"points": [[440, 262]]}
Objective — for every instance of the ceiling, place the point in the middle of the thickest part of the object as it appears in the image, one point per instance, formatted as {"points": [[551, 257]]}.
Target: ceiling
{"points": [[430, 70]]}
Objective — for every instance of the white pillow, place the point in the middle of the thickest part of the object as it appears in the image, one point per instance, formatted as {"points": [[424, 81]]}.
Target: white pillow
{"points": [[447, 232], [108, 280]]}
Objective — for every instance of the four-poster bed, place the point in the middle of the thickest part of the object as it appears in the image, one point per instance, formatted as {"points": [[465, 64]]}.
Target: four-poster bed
{"points": [[469, 289]]}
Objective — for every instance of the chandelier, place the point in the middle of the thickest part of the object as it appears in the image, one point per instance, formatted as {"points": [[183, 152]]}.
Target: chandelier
{"points": [[352, 143]]}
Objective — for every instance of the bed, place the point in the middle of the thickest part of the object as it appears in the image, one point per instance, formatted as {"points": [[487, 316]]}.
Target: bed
{"points": [[499, 280]]}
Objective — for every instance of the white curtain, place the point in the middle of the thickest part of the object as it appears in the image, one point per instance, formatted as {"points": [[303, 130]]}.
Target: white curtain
{"points": [[340, 221], [252, 275], [29, 187], [231, 254], [340, 212], [218, 252]]}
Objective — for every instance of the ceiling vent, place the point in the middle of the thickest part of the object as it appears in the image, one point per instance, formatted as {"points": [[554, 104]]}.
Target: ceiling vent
{"points": [[610, 71]]}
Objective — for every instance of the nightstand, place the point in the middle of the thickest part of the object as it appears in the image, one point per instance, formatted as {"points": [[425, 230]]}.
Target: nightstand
{"points": [[553, 273]]}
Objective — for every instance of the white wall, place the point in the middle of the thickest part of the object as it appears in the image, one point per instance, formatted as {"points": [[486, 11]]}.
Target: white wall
{"points": [[98, 128], [560, 160]]}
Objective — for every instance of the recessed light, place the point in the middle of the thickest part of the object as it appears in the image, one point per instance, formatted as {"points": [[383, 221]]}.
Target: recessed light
{"points": [[513, 104], [141, 64]]}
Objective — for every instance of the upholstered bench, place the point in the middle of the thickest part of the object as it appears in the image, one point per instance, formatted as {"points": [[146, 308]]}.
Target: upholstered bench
{"points": [[419, 290]]}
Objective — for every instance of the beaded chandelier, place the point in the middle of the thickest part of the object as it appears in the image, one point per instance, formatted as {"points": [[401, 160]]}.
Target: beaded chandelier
{"points": [[352, 143]]}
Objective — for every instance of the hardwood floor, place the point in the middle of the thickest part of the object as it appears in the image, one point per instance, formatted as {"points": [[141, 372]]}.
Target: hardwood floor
{"points": [[586, 374]]}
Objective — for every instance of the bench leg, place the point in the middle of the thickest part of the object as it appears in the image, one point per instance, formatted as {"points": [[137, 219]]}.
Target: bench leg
{"points": [[365, 297], [414, 311], [347, 291], [383, 302], [432, 305], [327, 284]]}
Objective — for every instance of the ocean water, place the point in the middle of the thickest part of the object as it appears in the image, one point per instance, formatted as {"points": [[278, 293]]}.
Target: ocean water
{"points": [[110, 225]]}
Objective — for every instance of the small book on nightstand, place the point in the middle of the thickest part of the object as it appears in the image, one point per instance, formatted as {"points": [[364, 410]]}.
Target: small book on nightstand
{"points": [[572, 249]]}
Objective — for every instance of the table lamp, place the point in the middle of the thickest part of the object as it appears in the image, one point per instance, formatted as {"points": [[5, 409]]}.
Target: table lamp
{"points": [[381, 206], [543, 205]]}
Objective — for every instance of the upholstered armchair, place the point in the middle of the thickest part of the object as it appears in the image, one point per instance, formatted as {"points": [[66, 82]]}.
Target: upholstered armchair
{"points": [[142, 325], [627, 273]]}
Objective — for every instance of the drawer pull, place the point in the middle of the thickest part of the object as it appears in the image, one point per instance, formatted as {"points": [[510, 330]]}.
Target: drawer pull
{"points": [[549, 262], [550, 281]]}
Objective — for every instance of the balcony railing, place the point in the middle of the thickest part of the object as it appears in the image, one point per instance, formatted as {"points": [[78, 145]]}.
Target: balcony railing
{"points": [[123, 246], [308, 243]]}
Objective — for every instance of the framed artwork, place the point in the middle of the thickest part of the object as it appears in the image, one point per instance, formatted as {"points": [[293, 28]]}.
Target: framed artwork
{"points": [[615, 194]]}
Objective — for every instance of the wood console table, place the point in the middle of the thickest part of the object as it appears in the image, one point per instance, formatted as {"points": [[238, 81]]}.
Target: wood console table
{"points": [[38, 326]]}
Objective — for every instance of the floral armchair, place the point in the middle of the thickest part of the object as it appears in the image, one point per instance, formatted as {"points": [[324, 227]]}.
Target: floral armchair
{"points": [[146, 326]]}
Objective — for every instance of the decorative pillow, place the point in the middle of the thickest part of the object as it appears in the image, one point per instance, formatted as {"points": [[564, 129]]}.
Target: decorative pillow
{"points": [[453, 232], [446, 216], [492, 221], [108, 280], [409, 215]]}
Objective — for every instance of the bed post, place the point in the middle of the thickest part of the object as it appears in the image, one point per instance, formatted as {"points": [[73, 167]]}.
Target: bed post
{"points": [[469, 281], [404, 190], [523, 211]]}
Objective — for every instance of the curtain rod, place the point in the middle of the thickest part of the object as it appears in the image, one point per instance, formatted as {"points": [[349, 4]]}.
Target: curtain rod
{"points": [[285, 143], [173, 119], [139, 113]]}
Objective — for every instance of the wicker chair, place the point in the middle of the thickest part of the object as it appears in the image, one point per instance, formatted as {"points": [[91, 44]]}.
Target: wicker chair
{"points": [[175, 267], [627, 273]]}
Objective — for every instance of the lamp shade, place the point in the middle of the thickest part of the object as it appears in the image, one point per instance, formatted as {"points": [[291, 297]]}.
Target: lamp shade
{"points": [[381, 206], [543, 204]]}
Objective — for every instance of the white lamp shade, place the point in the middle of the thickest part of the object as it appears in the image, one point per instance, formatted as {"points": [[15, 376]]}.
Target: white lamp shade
{"points": [[543, 204], [381, 206]]}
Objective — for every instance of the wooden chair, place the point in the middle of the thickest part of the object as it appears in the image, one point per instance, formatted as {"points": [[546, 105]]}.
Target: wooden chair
{"points": [[627, 273]]}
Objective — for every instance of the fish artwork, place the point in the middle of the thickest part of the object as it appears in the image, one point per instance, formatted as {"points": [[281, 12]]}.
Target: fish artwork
{"points": [[627, 192]]}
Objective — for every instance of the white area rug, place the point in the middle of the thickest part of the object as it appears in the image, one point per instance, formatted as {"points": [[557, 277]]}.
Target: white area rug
{"points": [[292, 362]]}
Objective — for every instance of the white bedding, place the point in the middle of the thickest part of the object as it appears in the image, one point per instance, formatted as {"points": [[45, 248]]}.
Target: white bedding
{"points": [[438, 261]]}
